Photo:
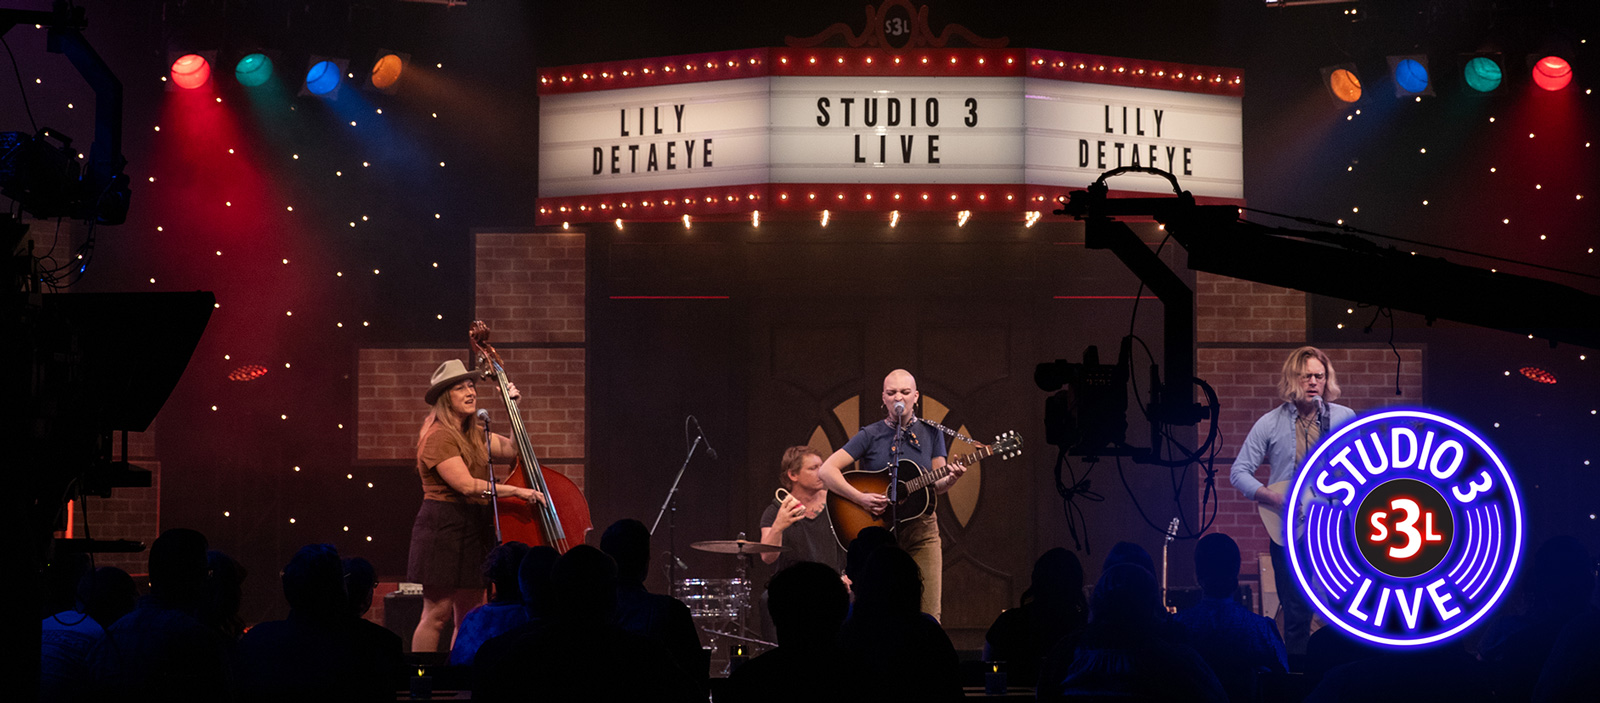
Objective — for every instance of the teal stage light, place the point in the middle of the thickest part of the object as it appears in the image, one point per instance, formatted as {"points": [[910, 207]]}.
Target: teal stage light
{"points": [[1483, 74], [253, 70]]}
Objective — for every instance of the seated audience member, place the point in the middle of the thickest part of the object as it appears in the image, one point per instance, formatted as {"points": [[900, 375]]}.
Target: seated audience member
{"points": [[224, 595], [1555, 592], [578, 652], [1128, 553], [1330, 648], [162, 650], [896, 652], [502, 613], [808, 603], [103, 595], [360, 580], [318, 652], [1236, 643], [866, 542], [662, 619], [533, 579], [1121, 653], [1052, 607], [1442, 673]]}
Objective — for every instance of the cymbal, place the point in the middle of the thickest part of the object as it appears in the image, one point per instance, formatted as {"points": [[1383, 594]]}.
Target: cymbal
{"points": [[736, 546]]}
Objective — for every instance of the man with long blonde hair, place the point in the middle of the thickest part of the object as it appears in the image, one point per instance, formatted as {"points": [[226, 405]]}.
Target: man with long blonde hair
{"points": [[1283, 438], [454, 529]]}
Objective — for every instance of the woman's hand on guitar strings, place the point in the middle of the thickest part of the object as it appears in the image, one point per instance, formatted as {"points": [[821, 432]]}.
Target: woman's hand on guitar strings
{"points": [[874, 503]]}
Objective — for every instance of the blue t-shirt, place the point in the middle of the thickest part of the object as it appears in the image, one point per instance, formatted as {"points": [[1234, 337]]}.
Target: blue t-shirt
{"points": [[876, 444]]}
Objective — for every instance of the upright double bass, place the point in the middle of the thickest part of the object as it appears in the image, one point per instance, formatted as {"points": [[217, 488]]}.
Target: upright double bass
{"points": [[562, 520]]}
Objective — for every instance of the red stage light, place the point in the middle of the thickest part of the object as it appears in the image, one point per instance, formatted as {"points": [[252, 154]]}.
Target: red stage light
{"points": [[1552, 73], [1538, 375], [249, 372], [191, 71]]}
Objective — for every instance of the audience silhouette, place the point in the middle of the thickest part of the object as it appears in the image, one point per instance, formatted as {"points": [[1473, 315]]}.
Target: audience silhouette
{"points": [[808, 603], [102, 597], [1555, 592], [896, 652], [661, 619], [1052, 607], [162, 650], [582, 626], [579, 652], [867, 541], [1122, 653], [224, 595], [1236, 643], [504, 611], [321, 651]]}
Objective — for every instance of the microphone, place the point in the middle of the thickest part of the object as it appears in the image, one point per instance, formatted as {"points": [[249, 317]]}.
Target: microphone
{"points": [[899, 413], [483, 417], [709, 451]]}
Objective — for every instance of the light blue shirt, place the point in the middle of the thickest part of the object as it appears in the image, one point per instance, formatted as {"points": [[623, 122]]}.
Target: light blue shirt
{"points": [[1271, 441]]}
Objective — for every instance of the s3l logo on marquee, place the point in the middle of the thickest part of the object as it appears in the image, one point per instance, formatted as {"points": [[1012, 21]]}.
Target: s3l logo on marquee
{"points": [[1412, 528]]}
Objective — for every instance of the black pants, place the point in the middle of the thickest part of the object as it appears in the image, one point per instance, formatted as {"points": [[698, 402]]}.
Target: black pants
{"points": [[1296, 609]]}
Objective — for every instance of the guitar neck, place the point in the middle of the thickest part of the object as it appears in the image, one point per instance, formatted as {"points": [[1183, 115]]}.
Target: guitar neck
{"points": [[932, 477]]}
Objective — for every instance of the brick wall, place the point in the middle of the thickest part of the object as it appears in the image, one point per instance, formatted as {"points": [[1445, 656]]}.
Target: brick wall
{"points": [[531, 286], [389, 406], [130, 513], [1231, 310], [1246, 331]]}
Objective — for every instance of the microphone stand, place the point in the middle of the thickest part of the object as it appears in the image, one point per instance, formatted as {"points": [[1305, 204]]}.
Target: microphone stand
{"points": [[494, 494], [892, 512], [671, 503]]}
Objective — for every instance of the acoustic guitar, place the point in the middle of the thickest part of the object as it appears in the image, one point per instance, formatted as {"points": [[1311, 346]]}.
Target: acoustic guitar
{"points": [[916, 496]]}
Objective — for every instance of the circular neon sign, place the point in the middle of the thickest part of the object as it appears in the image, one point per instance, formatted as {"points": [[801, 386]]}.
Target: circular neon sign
{"points": [[1410, 528]]}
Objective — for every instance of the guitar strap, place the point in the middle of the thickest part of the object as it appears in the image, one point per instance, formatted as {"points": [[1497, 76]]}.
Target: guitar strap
{"points": [[950, 432]]}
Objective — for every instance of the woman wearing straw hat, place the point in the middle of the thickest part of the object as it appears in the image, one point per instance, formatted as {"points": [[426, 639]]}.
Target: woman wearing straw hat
{"points": [[454, 529]]}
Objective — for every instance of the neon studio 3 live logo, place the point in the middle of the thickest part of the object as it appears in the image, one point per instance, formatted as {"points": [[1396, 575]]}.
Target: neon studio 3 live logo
{"points": [[1411, 528]]}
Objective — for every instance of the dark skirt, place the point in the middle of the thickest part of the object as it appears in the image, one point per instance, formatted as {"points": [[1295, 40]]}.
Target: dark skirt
{"points": [[449, 542]]}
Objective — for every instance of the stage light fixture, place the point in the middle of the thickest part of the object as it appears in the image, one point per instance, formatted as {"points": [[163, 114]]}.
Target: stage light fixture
{"points": [[1483, 73], [322, 78], [253, 70], [387, 71], [1343, 82], [1410, 73], [191, 71], [1552, 73]]}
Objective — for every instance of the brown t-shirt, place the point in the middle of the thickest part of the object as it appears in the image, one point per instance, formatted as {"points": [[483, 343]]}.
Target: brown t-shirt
{"points": [[437, 446]]}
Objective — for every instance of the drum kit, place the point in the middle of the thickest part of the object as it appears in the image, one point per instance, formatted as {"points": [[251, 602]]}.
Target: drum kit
{"points": [[721, 607]]}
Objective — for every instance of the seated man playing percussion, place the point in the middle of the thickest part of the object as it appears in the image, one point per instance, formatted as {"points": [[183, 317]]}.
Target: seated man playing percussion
{"points": [[800, 521]]}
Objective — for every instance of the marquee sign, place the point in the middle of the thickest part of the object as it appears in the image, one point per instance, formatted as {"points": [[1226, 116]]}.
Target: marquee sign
{"points": [[868, 129], [1412, 529]]}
